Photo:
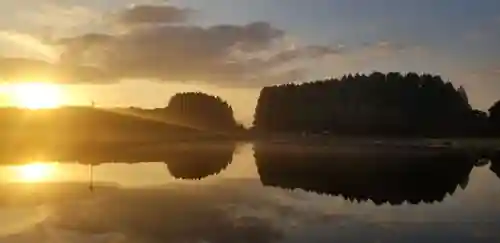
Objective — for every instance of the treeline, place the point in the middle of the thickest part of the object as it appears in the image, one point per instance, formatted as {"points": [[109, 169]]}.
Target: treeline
{"points": [[390, 104], [378, 104]]}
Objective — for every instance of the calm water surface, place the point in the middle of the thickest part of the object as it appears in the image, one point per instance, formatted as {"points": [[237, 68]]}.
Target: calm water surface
{"points": [[254, 194]]}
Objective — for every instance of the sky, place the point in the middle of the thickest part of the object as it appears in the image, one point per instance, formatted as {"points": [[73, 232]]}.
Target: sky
{"points": [[140, 53]]}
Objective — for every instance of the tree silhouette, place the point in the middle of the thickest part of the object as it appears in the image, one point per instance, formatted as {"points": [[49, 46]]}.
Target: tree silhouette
{"points": [[377, 104], [494, 118], [201, 110]]}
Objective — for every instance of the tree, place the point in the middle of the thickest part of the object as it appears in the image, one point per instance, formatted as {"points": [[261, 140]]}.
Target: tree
{"points": [[377, 104], [494, 118], [202, 111], [463, 94]]}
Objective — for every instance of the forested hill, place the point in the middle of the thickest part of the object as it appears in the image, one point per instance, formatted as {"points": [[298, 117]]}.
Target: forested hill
{"points": [[392, 104]]}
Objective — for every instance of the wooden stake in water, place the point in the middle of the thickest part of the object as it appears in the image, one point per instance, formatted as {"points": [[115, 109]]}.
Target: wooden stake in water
{"points": [[91, 177]]}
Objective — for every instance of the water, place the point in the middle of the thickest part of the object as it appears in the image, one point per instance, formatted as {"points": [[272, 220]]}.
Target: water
{"points": [[256, 194]]}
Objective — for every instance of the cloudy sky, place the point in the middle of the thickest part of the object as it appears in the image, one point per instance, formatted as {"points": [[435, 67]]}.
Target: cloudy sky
{"points": [[139, 53]]}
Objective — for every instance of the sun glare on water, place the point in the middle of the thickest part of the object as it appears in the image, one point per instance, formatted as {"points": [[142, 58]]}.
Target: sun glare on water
{"points": [[35, 172], [36, 95]]}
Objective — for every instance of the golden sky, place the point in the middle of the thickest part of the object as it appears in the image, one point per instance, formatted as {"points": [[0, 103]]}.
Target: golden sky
{"points": [[141, 52]]}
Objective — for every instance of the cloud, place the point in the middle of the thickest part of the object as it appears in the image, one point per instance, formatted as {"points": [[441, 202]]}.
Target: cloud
{"points": [[152, 14], [313, 51], [24, 70], [383, 49], [228, 54], [249, 55], [159, 44], [53, 18], [27, 45], [85, 40]]}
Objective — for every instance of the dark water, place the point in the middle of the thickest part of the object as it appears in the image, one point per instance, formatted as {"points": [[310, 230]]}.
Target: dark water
{"points": [[251, 193]]}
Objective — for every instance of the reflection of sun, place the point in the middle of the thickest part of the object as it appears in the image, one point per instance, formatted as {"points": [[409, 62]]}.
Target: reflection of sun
{"points": [[36, 95], [35, 172]]}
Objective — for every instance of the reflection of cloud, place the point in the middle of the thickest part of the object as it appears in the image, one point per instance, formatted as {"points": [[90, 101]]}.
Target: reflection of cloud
{"points": [[182, 214], [45, 232], [18, 219], [399, 233], [242, 211]]}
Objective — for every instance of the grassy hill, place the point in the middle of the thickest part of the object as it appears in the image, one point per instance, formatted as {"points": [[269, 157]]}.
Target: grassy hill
{"points": [[86, 124]]}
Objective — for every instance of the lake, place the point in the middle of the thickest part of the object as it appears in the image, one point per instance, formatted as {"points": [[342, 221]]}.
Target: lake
{"points": [[250, 193]]}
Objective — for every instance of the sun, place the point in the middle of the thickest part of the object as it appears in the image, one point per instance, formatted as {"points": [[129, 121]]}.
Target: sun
{"points": [[37, 95], [35, 172]]}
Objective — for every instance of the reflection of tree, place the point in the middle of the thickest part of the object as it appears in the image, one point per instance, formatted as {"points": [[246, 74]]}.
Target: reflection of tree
{"points": [[495, 163], [199, 163], [184, 160], [423, 176], [494, 118]]}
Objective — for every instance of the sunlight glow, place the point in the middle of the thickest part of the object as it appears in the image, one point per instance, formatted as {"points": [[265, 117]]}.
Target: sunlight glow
{"points": [[35, 172], [37, 95]]}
